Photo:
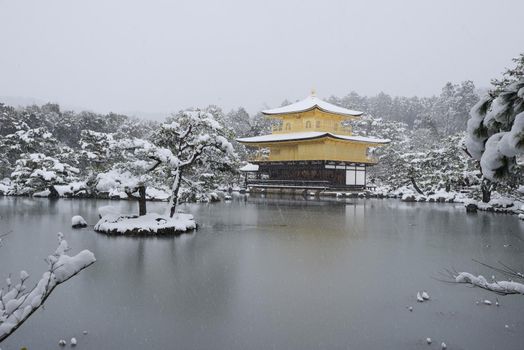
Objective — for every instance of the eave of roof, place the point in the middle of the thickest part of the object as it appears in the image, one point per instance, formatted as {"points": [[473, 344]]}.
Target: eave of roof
{"points": [[302, 136]]}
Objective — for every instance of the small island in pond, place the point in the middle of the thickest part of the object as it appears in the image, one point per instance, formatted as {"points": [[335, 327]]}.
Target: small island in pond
{"points": [[149, 224]]}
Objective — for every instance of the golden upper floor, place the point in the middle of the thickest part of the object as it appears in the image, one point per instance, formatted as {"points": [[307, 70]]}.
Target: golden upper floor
{"points": [[312, 120], [311, 114]]}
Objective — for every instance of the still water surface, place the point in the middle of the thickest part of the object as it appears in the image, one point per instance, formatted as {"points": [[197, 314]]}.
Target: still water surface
{"points": [[275, 273]]}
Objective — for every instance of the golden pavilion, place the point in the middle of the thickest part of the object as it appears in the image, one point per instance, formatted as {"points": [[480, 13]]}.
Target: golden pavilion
{"points": [[312, 146]]}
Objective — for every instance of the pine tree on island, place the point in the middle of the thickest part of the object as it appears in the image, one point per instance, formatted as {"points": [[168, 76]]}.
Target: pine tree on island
{"points": [[186, 138]]}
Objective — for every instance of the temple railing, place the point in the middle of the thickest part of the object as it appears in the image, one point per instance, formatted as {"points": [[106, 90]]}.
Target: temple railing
{"points": [[288, 183], [300, 184]]}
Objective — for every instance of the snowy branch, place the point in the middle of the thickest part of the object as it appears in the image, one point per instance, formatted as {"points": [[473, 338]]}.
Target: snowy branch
{"points": [[17, 303], [499, 287]]}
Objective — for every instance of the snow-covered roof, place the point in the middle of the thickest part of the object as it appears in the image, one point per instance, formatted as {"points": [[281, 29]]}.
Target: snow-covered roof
{"points": [[307, 136], [309, 103], [249, 167]]}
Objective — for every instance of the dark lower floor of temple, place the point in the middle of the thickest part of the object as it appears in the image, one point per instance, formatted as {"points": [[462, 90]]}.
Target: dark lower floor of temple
{"points": [[309, 174]]}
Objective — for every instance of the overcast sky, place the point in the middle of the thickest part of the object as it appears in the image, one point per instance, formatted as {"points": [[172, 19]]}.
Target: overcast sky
{"points": [[161, 56]]}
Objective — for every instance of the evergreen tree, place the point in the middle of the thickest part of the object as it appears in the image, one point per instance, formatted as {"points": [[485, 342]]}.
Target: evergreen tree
{"points": [[496, 131], [36, 172], [511, 75]]}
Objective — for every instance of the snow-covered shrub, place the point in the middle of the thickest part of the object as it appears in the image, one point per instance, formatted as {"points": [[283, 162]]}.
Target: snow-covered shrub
{"points": [[36, 172]]}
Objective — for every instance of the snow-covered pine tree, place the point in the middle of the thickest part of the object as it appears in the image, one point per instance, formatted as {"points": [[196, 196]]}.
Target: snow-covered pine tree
{"points": [[190, 142], [495, 132], [129, 165], [191, 136], [25, 141], [511, 75], [36, 172], [95, 155]]}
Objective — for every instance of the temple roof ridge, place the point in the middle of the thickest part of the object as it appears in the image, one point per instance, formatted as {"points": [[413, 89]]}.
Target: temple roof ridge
{"points": [[310, 103]]}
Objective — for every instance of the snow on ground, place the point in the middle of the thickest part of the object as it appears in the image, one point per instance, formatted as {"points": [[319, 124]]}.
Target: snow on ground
{"points": [[44, 194], [500, 204], [70, 190], [5, 186], [80, 189], [443, 196], [412, 197], [408, 195], [149, 224]]}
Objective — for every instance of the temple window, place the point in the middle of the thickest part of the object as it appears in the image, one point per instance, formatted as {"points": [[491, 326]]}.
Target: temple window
{"points": [[317, 124], [308, 125], [288, 126]]}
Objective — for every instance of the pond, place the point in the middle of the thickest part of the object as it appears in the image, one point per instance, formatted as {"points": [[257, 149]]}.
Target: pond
{"points": [[271, 273]]}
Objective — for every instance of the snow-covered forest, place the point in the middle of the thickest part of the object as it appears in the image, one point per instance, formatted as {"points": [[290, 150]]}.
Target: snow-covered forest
{"points": [[51, 152]]}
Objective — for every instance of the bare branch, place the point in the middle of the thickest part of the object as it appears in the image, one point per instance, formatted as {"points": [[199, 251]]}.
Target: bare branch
{"points": [[506, 270], [156, 165]]}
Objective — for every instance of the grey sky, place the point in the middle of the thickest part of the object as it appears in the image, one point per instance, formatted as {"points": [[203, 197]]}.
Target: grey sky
{"points": [[122, 55]]}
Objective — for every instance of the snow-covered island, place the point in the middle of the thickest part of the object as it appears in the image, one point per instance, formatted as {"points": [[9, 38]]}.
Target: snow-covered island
{"points": [[149, 224], [190, 137]]}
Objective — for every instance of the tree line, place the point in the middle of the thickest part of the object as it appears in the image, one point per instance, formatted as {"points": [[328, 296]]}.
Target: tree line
{"points": [[436, 143]]}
